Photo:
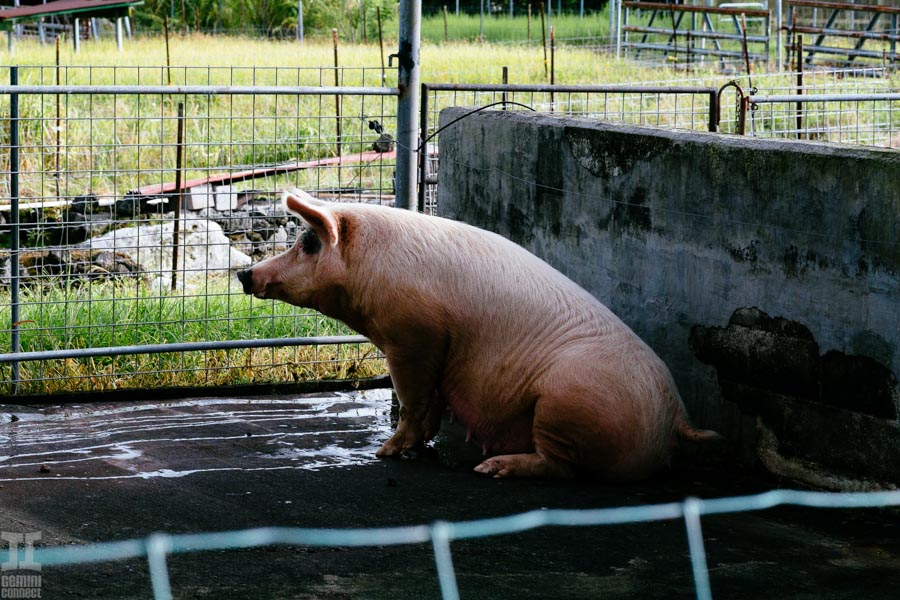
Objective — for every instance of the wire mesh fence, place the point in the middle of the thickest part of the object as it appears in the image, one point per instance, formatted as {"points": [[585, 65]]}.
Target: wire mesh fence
{"points": [[130, 203], [856, 105], [440, 535], [98, 159], [673, 107]]}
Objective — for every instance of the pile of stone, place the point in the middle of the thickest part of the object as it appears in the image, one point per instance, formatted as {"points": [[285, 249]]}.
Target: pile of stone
{"points": [[88, 240]]}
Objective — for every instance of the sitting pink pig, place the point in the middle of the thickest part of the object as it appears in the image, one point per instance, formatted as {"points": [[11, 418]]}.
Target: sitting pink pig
{"points": [[541, 374]]}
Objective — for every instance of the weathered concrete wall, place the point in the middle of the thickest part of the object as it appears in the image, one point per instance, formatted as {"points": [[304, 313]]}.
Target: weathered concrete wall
{"points": [[765, 273]]}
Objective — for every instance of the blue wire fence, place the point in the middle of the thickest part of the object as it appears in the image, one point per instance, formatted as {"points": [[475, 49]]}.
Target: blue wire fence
{"points": [[158, 545]]}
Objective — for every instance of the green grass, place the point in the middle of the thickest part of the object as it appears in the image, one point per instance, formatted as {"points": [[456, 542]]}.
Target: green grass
{"points": [[500, 28], [61, 317]]}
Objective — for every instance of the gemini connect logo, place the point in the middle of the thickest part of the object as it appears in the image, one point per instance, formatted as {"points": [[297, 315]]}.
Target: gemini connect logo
{"points": [[20, 578]]}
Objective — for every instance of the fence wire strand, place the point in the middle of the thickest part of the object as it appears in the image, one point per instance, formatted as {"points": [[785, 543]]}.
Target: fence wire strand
{"points": [[440, 534]]}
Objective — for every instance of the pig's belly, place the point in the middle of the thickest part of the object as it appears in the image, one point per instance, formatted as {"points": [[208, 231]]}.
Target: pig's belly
{"points": [[496, 430]]}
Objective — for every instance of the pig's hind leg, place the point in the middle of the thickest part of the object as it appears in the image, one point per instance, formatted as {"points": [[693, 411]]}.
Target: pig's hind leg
{"points": [[572, 432], [421, 408]]}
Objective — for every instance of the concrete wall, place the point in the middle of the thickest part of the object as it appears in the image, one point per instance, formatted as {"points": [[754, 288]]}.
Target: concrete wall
{"points": [[765, 273]]}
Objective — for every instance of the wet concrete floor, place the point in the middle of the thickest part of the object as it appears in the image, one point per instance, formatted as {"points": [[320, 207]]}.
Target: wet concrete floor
{"points": [[101, 472]]}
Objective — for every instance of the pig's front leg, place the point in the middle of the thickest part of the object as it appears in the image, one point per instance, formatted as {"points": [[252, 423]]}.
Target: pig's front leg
{"points": [[415, 382]]}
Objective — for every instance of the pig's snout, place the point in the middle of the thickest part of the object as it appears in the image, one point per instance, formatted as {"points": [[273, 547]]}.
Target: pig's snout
{"points": [[246, 279]]}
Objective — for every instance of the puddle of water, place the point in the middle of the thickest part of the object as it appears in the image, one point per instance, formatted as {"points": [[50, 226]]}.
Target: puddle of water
{"points": [[187, 437]]}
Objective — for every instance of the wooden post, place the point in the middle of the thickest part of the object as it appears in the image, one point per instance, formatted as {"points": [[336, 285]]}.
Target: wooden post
{"points": [[168, 60], [337, 97], [529, 24], [362, 9], [381, 45], [544, 43], [446, 28]]}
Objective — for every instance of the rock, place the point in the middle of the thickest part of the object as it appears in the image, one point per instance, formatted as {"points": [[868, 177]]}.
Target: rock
{"points": [[60, 265], [204, 249]]}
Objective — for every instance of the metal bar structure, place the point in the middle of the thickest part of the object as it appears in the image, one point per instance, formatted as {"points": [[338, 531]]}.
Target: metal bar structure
{"points": [[14, 167], [839, 36], [94, 204], [97, 303], [681, 107], [665, 40], [407, 103]]}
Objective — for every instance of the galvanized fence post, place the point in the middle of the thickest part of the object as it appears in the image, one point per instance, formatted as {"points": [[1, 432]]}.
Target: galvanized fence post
{"points": [[408, 102], [423, 145], [14, 223]]}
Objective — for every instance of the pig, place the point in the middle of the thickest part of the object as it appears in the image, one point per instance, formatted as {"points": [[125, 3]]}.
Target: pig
{"points": [[542, 375]]}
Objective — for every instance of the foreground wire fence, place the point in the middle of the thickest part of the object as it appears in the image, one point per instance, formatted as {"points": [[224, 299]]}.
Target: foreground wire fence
{"points": [[440, 534]]}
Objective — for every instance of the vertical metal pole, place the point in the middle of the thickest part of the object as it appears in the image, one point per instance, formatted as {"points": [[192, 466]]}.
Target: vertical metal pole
{"points": [[179, 193], [423, 151], [895, 29], [76, 34], [613, 9], [58, 174], [799, 44], [408, 101], [14, 222], [779, 48], [119, 33], [299, 20], [619, 29]]}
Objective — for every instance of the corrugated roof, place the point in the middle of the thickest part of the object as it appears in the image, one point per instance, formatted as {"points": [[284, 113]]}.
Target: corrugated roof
{"points": [[62, 7]]}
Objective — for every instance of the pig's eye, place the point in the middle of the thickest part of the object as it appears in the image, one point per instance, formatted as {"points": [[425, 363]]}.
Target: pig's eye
{"points": [[310, 242]]}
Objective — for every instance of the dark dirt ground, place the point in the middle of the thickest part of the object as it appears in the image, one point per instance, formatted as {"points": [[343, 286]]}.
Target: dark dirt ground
{"points": [[102, 472]]}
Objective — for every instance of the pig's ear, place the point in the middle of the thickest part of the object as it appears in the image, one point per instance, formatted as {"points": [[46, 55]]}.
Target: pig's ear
{"points": [[315, 212]]}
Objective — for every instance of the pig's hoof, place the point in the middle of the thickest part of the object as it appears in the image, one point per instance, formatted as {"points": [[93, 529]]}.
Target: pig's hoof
{"points": [[525, 465], [494, 466], [388, 450]]}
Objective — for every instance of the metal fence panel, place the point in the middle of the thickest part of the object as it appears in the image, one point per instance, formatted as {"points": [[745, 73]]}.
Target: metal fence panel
{"points": [[100, 162], [669, 106]]}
